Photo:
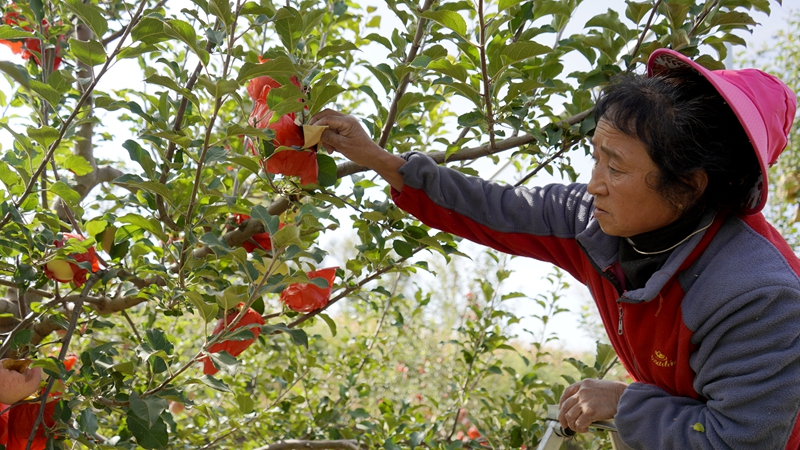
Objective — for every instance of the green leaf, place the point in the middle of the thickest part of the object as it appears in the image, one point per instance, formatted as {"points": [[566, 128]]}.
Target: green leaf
{"points": [[221, 9], [636, 11], [149, 224], [78, 165], [448, 19], [44, 135], [299, 337], [225, 361], [502, 5], [50, 95], [91, 53], [170, 83], [289, 26], [605, 354], [149, 408], [732, 18], [208, 311], [158, 340], [87, 420], [185, 32], [155, 187], [245, 403], [149, 437], [610, 21], [699, 427], [340, 49], [95, 226], [16, 72], [69, 195], [520, 51], [280, 66], [217, 244], [286, 236], [284, 100], [446, 67], [11, 179], [61, 81], [215, 383], [248, 163], [232, 296], [141, 156], [321, 97], [271, 223], [403, 248], [330, 322], [89, 14], [9, 32], [149, 30], [327, 173]]}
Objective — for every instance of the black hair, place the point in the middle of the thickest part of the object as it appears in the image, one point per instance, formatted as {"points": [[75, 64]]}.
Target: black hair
{"points": [[686, 126]]}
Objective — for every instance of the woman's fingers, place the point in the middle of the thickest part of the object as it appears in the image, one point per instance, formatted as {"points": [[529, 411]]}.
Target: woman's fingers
{"points": [[587, 401], [327, 112]]}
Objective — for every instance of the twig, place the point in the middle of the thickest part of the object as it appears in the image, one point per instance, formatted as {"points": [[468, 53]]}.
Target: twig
{"points": [[117, 34], [656, 4], [487, 82], [401, 88], [31, 290], [254, 418], [355, 287], [176, 126], [73, 322], [702, 17], [608, 369], [545, 163]]}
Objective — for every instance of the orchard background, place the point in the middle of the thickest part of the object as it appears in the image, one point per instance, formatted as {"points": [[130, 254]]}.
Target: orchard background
{"points": [[170, 281]]}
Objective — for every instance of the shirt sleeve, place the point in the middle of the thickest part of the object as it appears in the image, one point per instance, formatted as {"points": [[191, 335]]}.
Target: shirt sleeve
{"points": [[747, 367], [537, 222]]}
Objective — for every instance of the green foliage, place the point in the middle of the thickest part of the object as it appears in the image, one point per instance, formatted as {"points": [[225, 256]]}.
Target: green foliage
{"points": [[393, 364]]}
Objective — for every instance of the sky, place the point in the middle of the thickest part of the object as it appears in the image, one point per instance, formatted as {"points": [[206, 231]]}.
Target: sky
{"points": [[127, 74]]}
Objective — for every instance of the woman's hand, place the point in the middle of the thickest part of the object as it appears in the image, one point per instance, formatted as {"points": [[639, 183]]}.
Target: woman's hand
{"points": [[588, 401], [346, 136]]}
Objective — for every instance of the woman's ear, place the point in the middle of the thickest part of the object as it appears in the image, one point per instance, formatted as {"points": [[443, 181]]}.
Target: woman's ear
{"points": [[699, 181]]}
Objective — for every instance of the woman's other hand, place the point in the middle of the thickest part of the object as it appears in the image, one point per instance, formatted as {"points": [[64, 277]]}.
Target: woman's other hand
{"points": [[588, 401], [346, 136]]}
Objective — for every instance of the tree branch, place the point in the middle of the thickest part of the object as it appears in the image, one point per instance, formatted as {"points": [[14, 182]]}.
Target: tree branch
{"points": [[487, 83], [238, 236], [644, 32], [401, 89]]}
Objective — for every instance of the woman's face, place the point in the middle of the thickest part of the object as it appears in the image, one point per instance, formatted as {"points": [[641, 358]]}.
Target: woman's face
{"points": [[625, 205]]}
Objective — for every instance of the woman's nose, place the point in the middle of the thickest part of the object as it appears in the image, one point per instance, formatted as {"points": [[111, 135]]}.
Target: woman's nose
{"points": [[597, 185]]}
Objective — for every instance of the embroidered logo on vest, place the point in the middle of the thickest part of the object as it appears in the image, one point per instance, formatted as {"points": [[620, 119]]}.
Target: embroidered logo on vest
{"points": [[661, 359]]}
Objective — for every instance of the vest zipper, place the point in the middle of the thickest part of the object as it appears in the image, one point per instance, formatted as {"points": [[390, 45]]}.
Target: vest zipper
{"points": [[619, 328]]}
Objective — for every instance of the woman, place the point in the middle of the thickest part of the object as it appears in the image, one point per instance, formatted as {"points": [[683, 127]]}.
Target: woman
{"points": [[700, 296]]}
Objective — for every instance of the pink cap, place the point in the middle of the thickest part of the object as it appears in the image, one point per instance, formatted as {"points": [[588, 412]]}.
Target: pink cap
{"points": [[764, 105]]}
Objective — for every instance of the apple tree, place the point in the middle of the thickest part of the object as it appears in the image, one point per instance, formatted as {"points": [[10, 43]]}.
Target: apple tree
{"points": [[161, 262]]}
